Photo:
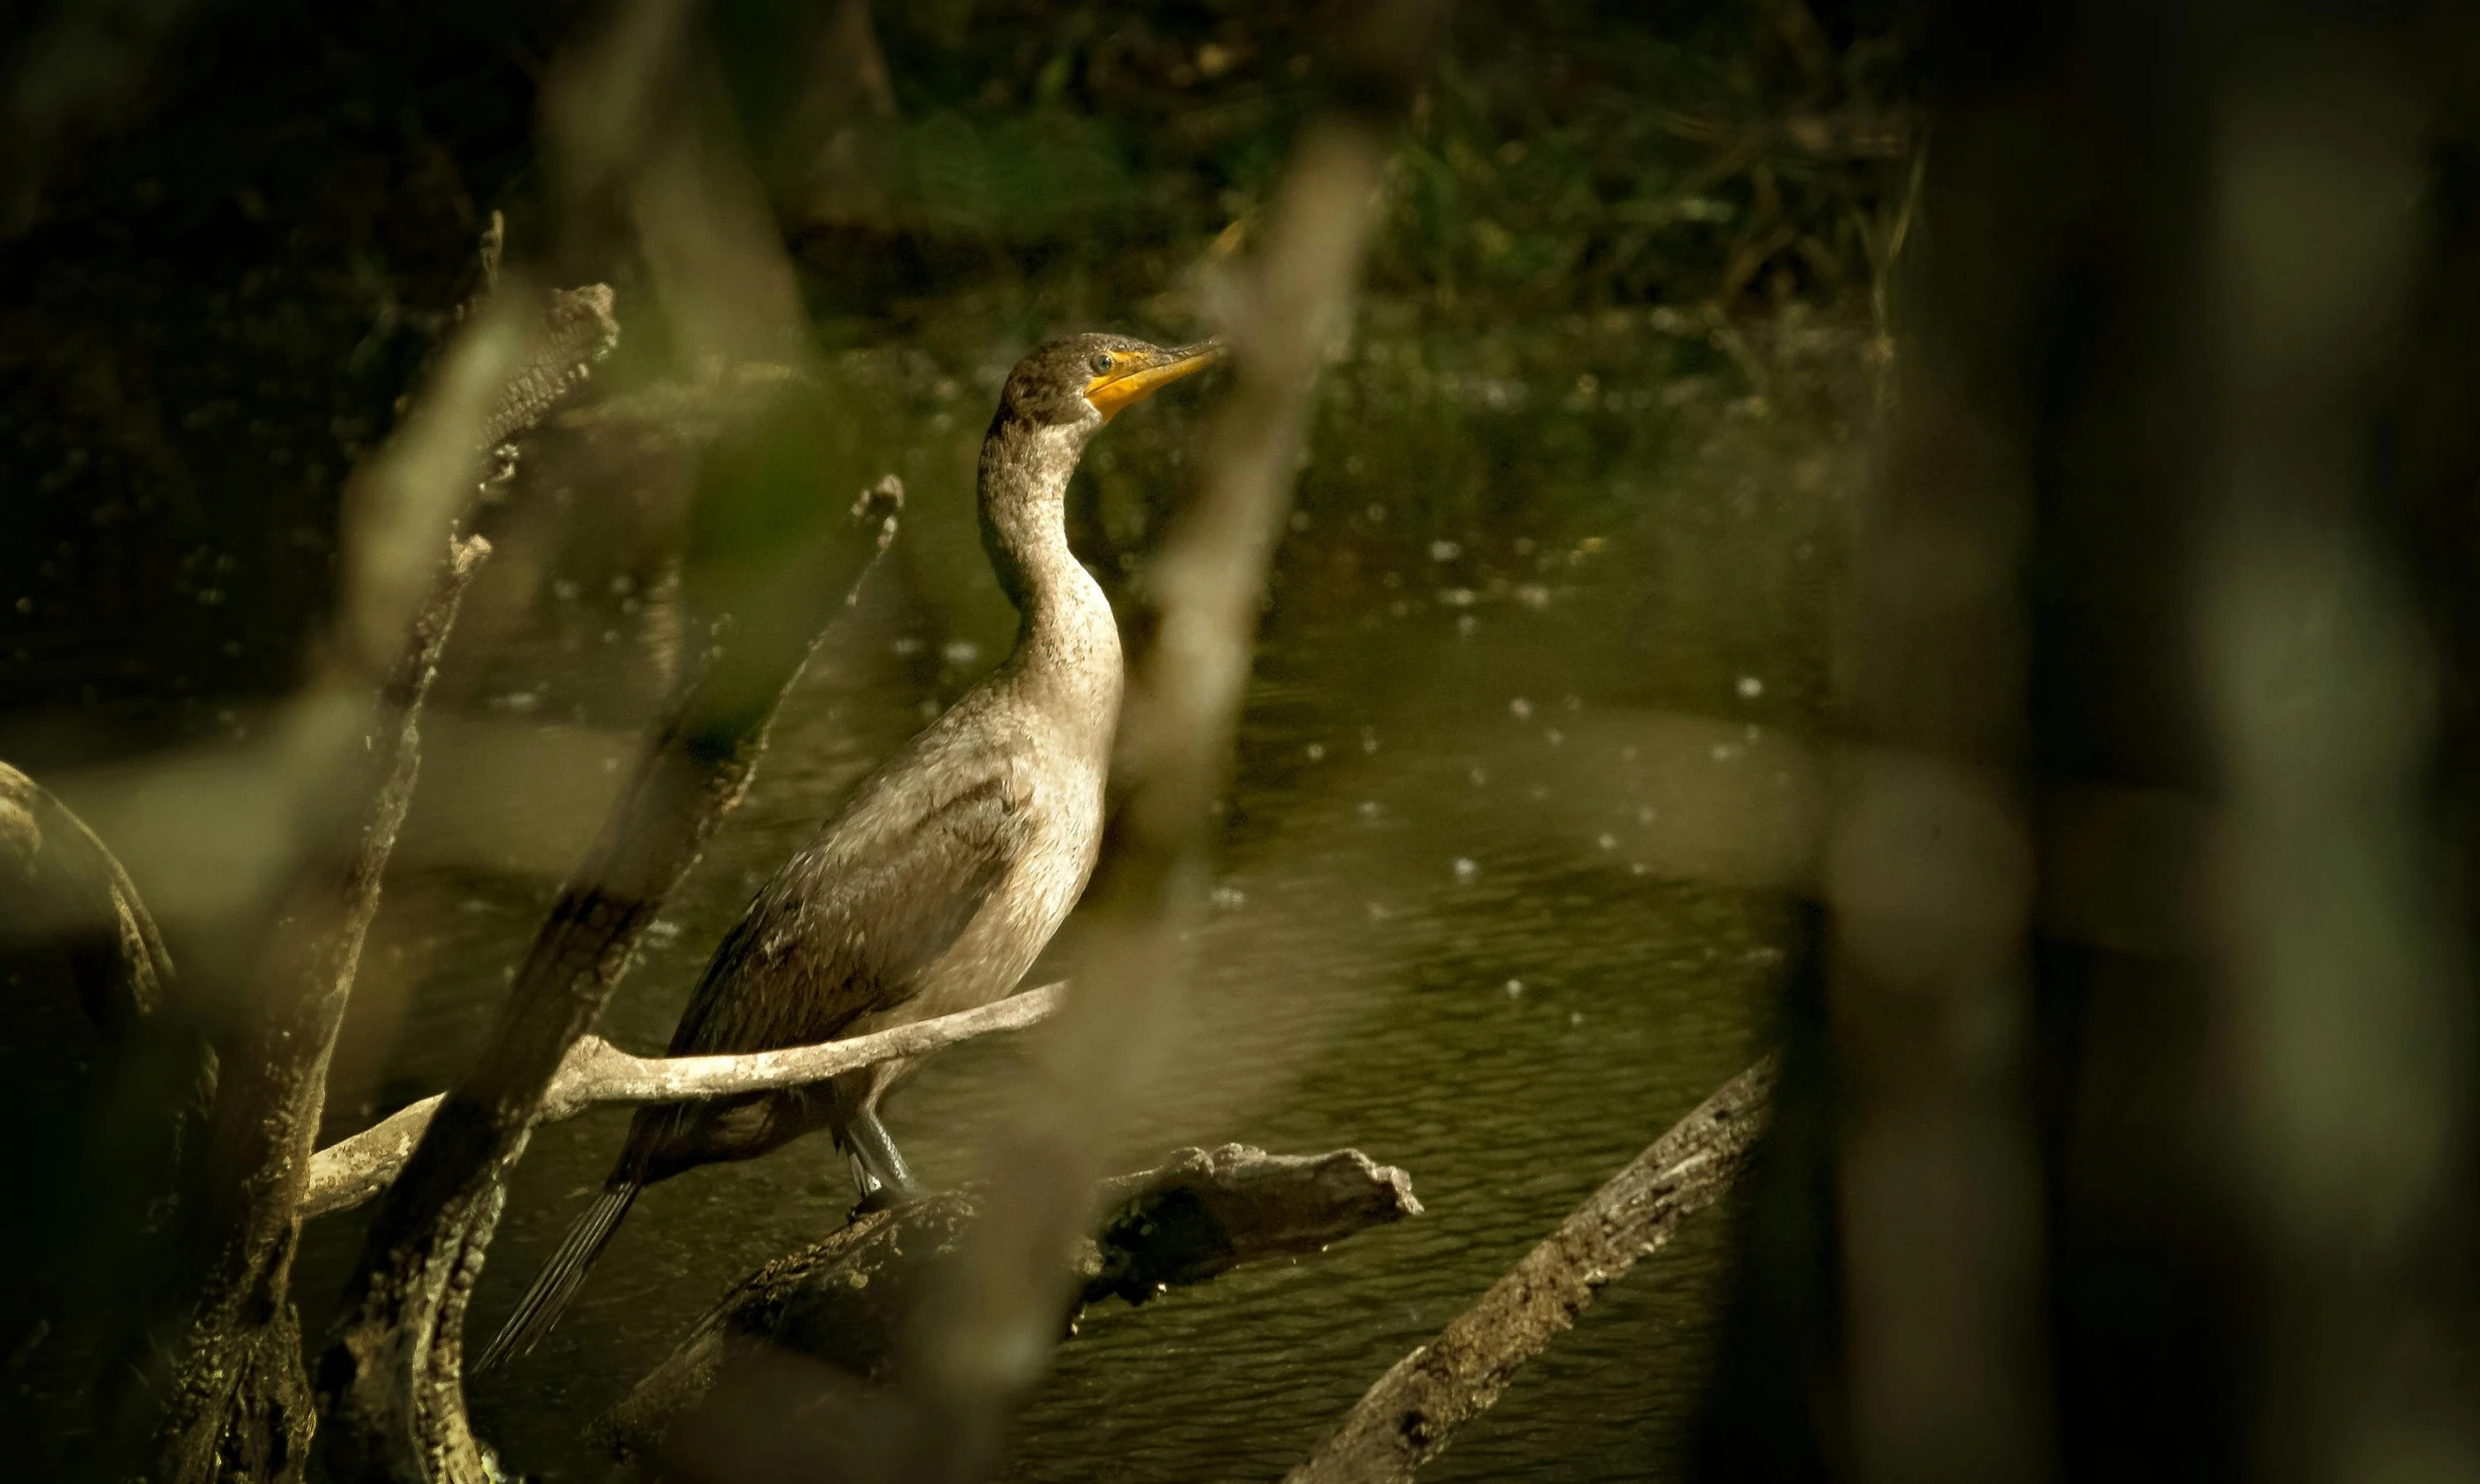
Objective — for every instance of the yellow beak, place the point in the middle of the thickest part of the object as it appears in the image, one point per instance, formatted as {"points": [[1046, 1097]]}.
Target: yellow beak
{"points": [[1134, 378]]}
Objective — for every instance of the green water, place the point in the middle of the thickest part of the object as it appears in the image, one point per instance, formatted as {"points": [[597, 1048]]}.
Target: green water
{"points": [[1440, 932]]}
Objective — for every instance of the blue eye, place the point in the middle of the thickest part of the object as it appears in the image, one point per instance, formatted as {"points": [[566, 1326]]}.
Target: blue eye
{"points": [[1102, 361]]}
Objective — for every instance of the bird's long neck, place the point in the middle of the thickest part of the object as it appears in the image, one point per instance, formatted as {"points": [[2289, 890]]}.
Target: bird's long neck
{"points": [[1068, 646]]}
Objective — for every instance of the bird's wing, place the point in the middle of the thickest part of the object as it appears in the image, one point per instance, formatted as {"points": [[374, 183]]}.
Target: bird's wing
{"points": [[849, 925]]}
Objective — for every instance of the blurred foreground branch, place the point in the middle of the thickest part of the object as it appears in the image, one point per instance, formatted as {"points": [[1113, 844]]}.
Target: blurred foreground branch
{"points": [[1410, 1415], [2179, 502], [983, 1338], [756, 1383], [597, 1073], [630, 120]]}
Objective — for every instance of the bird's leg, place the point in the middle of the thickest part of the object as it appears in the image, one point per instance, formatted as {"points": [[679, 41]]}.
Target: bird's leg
{"points": [[878, 1155]]}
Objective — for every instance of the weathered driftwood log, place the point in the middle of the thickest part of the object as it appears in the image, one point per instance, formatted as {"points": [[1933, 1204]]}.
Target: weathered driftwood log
{"points": [[1408, 1418], [352, 1171], [785, 1360]]}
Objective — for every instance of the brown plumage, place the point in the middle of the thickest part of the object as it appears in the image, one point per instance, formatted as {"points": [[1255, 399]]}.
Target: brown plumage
{"points": [[938, 882]]}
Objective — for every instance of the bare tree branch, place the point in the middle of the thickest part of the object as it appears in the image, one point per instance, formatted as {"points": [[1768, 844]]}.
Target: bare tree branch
{"points": [[1409, 1417], [598, 1074], [773, 1359], [391, 1381], [239, 1394], [228, 1388]]}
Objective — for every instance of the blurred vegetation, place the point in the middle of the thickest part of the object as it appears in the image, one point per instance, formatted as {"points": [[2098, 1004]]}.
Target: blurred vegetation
{"points": [[233, 271], [1567, 155]]}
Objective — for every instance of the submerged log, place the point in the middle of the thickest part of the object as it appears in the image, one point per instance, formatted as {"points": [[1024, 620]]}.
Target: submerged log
{"points": [[796, 1354]]}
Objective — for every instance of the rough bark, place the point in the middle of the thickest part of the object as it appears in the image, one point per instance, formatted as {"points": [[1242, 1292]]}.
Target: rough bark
{"points": [[238, 1400], [233, 1395], [842, 1305], [1413, 1412], [578, 331], [390, 1382], [597, 1073]]}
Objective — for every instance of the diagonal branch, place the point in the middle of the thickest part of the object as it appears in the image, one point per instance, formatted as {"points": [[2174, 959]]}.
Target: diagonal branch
{"points": [[1411, 1414], [598, 1074]]}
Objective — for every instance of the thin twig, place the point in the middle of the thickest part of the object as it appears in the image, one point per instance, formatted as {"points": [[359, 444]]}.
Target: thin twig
{"points": [[599, 1074], [1408, 1418]]}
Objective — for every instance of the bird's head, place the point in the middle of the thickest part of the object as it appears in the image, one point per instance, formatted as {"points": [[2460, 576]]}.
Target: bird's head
{"points": [[1083, 380]]}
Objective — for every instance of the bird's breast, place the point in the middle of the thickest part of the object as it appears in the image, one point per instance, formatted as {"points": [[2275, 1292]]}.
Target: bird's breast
{"points": [[1031, 899]]}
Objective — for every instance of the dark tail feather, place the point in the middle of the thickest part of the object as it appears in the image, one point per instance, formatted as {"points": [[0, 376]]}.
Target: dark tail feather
{"points": [[561, 1277]]}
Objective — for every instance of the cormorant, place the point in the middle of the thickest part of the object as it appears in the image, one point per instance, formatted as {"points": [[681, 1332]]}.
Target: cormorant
{"points": [[948, 869]]}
